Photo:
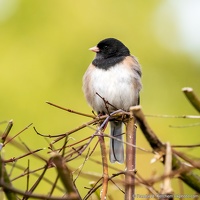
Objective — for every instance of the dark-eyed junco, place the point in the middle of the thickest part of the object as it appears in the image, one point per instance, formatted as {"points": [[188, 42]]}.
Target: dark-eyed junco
{"points": [[114, 76]]}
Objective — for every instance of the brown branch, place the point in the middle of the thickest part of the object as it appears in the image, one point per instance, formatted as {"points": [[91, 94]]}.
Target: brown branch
{"points": [[10, 139], [71, 111], [7, 131], [35, 185], [93, 189], [130, 158], [151, 137], [75, 130], [133, 145], [166, 188], [185, 146], [81, 167], [34, 173], [106, 103], [54, 186], [192, 97], [104, 163], [192, 162], [18, 158], [35, 196], [191, 179], [175, 116], [65, 176], [4, 178]]}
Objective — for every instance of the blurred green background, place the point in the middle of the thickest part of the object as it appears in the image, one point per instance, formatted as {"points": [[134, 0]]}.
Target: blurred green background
{"points": [[44, 54]]}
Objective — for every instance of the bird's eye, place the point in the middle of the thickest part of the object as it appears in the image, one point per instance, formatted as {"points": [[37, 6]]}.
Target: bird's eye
{"points": [[105, 47]]}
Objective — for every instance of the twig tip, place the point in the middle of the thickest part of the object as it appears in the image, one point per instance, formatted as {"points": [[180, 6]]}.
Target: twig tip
{"points": [[135, 108], [187, 89]]}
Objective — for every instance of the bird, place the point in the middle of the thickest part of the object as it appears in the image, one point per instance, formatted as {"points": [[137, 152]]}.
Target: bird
{"points": [[114, 76]]}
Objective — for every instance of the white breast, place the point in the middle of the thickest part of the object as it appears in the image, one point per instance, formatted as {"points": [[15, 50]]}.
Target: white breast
{"points": [[115, 85]]}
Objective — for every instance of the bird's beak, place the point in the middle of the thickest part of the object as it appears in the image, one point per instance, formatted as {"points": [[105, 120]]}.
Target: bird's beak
{"points": [[94, 49]]}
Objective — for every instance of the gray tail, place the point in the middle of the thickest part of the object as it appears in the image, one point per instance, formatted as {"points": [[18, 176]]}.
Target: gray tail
{"points": [[116, 146]]}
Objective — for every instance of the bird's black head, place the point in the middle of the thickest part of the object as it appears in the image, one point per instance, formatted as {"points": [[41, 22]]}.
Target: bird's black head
{"points": [[109, 51], [111, 47]]}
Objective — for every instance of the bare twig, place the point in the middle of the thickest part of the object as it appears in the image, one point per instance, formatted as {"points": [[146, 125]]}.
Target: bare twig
{"points": [[10, 139], [93, 189], [5, 179], [105, 165], [65, 176], [191, 179], [192, 97], [71, 111], [192, 162], [82, 165], [175, 116], [185, 146], [185, 126], [28, 176], [133, 145], [166, 188], [130, 158], [106, 102], [27, 154], [28, 195], [7, 131], [35, 185], [53, 186]]}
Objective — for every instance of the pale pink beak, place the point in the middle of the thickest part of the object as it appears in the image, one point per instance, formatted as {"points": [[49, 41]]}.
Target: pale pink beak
{"points": [[94, 49]]}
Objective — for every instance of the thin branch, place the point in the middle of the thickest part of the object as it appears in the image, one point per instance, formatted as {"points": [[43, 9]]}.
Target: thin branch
{"points": [[53, 186], [36, 183], [35, 196], [65, 176], [191, 179], [71, 111], [104, 165], [185, 126], [133, 145], [192, 162], [93, 189], [4, 178], [7, 131], [106, 102], [166, 188], [175, 116], [27, 154], [82, 165], [3, 122], [146, 184], [17, 134], [74, 130], [130, 158], [192, 98], [185, 146], [34, 173]]}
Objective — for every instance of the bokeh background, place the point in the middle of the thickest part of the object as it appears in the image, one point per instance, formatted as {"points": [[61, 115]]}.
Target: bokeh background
{"points": [[44, 54]]}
